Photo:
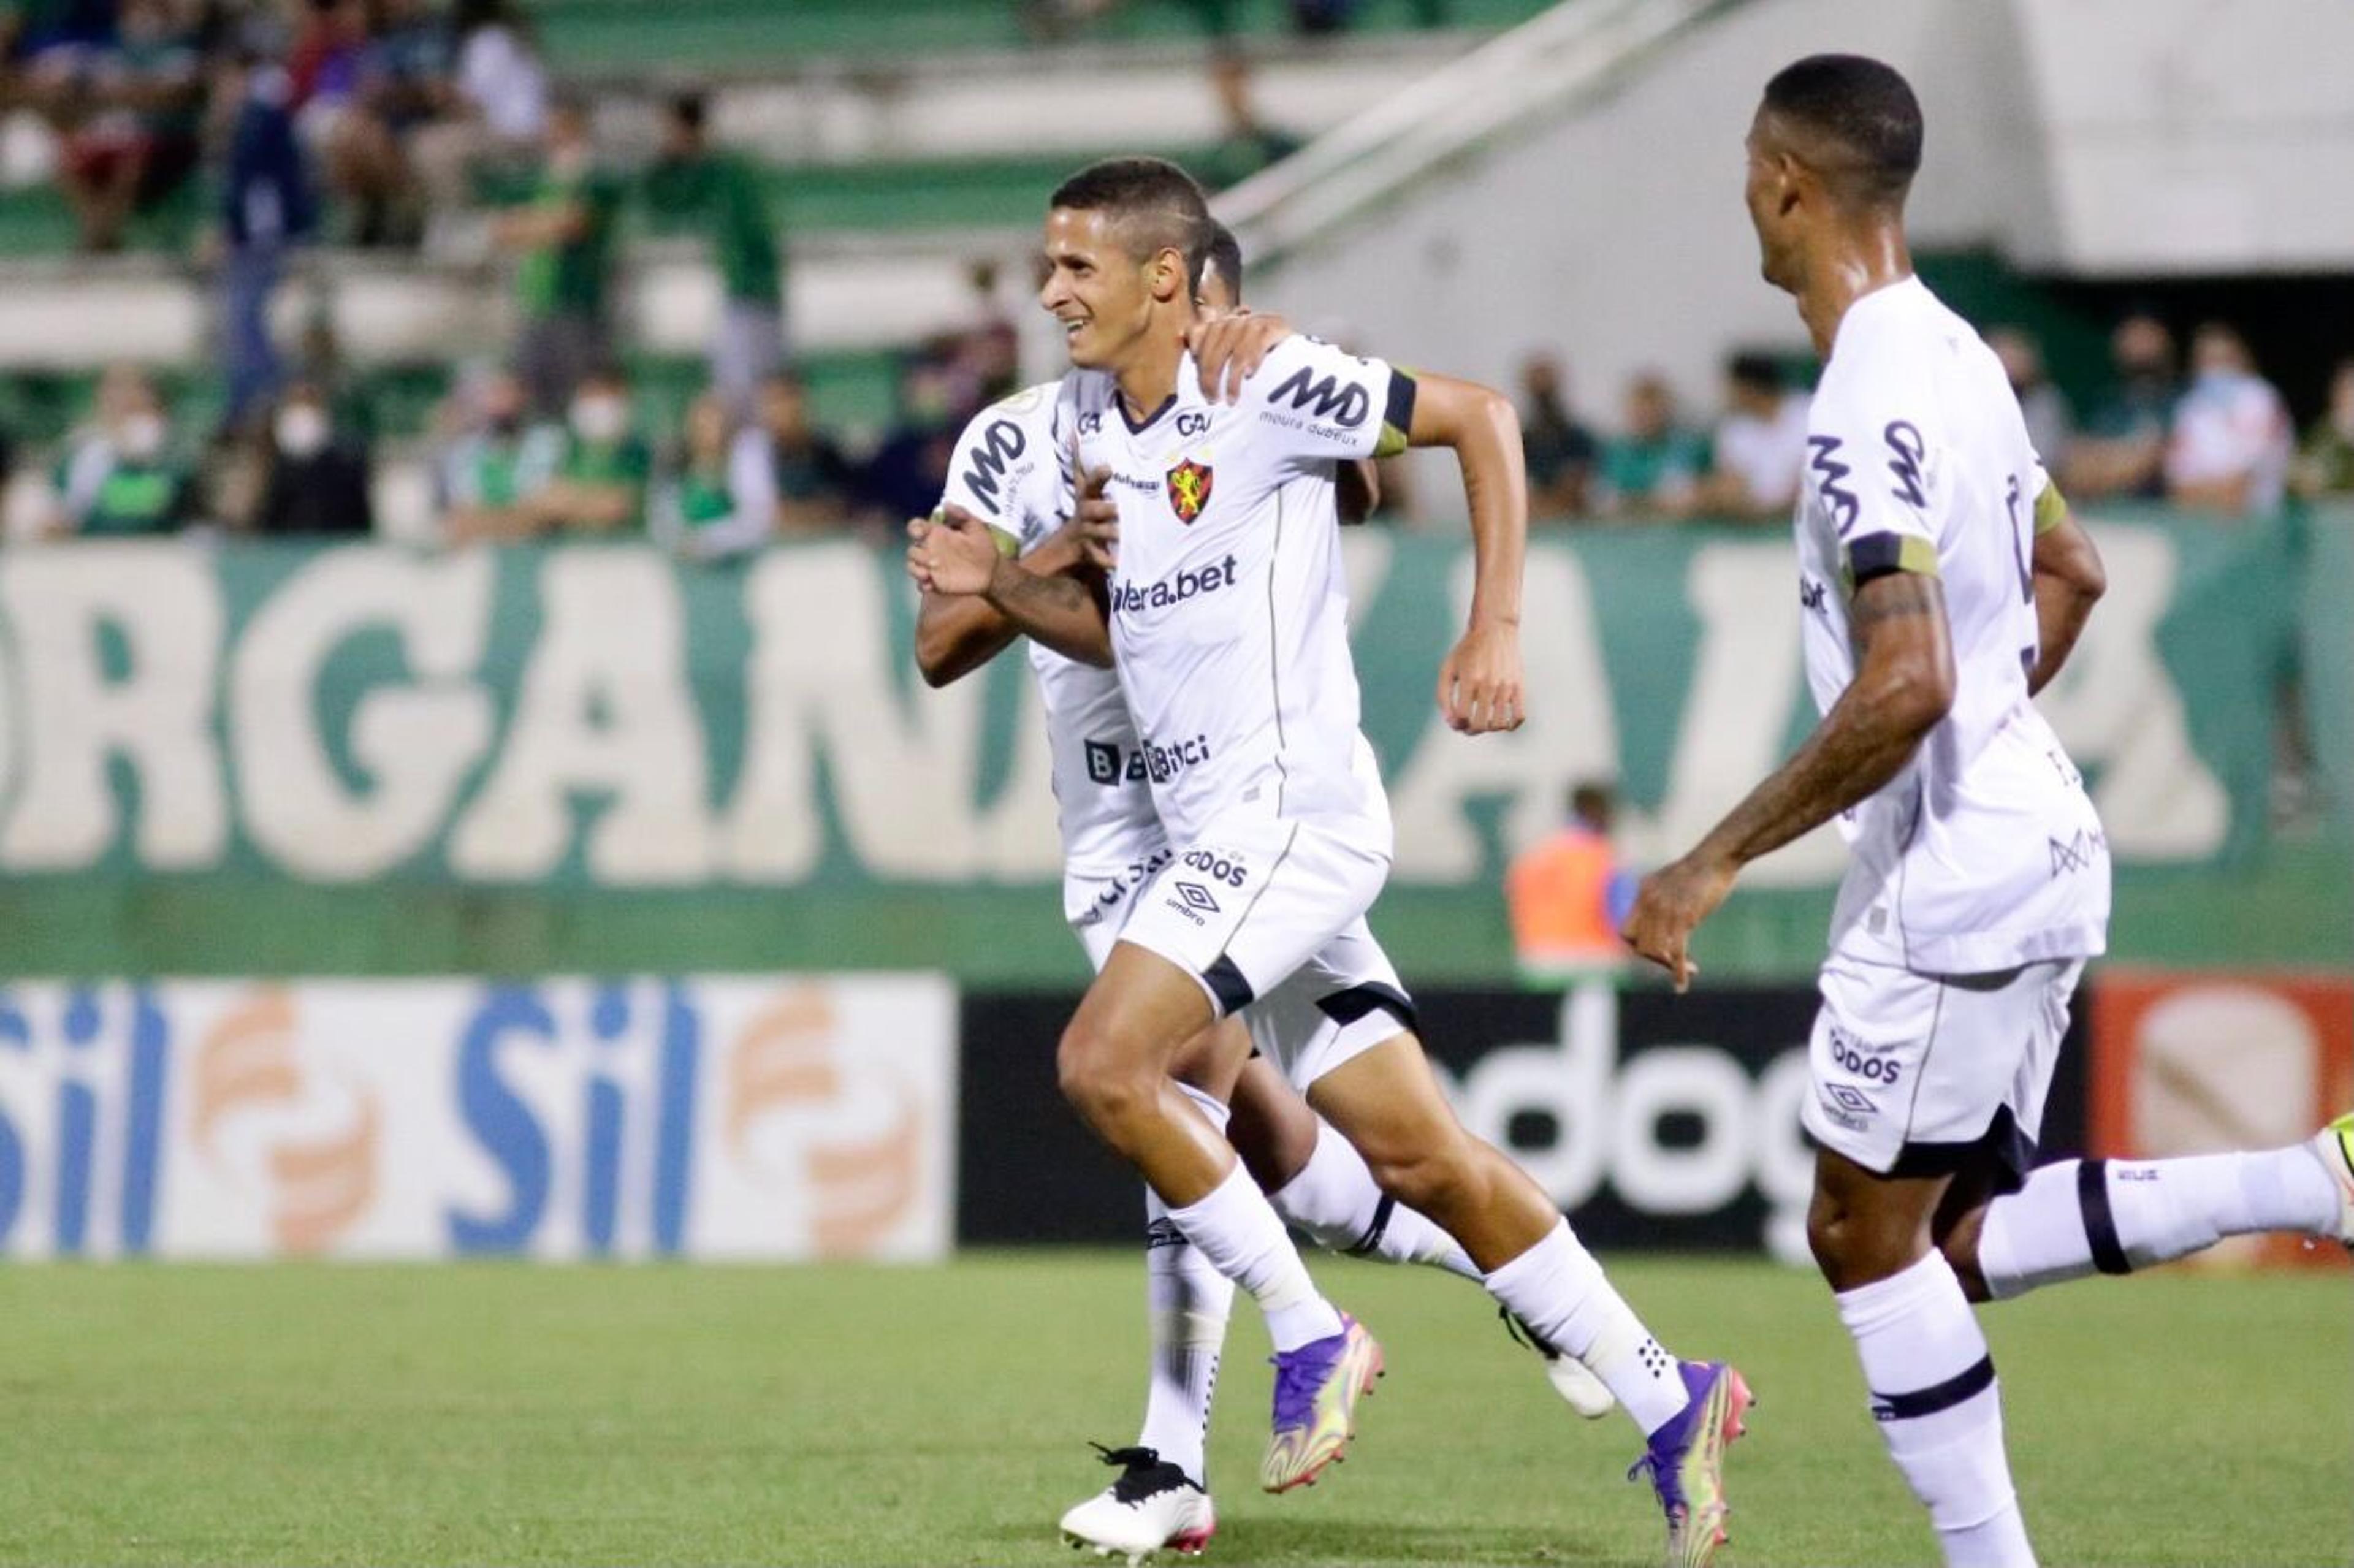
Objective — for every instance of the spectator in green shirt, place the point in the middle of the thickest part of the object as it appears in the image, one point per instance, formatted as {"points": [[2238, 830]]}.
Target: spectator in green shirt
{"points": [[122, 478], [600, 484], [1653, 468], [562, 238], [719, 504], [2325, 466], [494, 461], [694, 187], [1249, 143]]}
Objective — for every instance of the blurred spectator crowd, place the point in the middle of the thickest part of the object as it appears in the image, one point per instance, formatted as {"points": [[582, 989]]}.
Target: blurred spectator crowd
{"points": [[413, 124], [2204, 431]]}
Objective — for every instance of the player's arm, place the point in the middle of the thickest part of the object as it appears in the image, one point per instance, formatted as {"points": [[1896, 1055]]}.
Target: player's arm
{"points": [[1067, 613], [1356, 490], [1904, 686], [1480, 686], [958, 633], [1867, 472], [2069, 580]]}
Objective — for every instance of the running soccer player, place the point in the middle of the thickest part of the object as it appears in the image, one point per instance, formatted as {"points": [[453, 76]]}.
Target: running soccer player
{"points": [[1944, 584], [1226, 620], [1006, 470]]}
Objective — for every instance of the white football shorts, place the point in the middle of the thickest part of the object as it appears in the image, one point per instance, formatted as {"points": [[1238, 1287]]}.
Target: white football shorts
{"points": [[1915, 1074], [1269, 916]]}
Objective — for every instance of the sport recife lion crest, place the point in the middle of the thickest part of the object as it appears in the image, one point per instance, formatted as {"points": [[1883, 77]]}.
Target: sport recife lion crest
{"points": [[1189, 489]]}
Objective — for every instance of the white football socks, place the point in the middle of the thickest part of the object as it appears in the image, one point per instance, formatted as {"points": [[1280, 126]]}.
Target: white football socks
{"points": [[1558, 1290], [1186, 1303], [2112, 1216], [1933, 1391], [1238, 1231], [1334, 1199]]}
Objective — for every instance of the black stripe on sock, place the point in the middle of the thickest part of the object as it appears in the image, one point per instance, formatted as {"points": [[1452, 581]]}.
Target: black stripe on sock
{"points": [[1966, 1384], [2100, 1222], [1365, 1244]]}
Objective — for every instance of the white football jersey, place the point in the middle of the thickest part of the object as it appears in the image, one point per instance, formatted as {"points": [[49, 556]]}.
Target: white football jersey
{"points": [[1985, 852], [1229, 609], [1010, 471]]}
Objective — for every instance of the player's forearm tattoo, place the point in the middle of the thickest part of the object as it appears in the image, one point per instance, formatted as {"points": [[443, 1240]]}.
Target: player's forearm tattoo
{"points": [[1862, 744], [1896, 596], [1062, 613]]}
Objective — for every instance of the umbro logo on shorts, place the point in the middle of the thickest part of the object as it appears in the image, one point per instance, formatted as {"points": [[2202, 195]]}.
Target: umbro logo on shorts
{"points": [[1849, 1106], [1199, 896]]}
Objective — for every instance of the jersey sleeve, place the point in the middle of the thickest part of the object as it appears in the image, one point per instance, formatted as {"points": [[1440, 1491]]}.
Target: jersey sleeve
{"points": [[1312, 400], [1871, 466], [1007, 446], [2050, 506]]}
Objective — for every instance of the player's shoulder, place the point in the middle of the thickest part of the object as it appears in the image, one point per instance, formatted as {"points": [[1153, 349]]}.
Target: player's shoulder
{"points": [[1030, 410], [1006, 460], [1886, 348], [1305, 382]]}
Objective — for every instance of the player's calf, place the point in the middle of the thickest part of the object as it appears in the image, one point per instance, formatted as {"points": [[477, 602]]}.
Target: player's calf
{"points": [[2080, 1217]]}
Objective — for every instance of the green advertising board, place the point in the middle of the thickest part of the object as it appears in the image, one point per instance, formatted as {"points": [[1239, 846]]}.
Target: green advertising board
{"points": [[274, 758]]}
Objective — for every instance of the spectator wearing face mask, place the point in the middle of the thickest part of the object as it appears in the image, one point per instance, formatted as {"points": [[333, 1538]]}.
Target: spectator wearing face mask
{"points": [[122, 478], [2051, 425], [602, 473], [1653, 466], [494, 461], [317, 480], [813, 482], [2232, 440], [2122, 448]]}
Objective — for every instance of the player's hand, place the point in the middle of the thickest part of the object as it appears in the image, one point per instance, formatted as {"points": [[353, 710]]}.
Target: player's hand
{"points": [[1228, 350], [958, 553], [1670, 906], [1094, 519], [1479, 684], [917, 528]]}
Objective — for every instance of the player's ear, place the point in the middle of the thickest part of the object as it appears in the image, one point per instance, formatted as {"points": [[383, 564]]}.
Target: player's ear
{"points": [[1790, 178], [1167, 275]]}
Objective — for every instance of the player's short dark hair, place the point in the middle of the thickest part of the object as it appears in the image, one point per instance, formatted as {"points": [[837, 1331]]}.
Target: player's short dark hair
{"points": [[1865, 114], [1156, 205], [690, 108], [1224, 252]]}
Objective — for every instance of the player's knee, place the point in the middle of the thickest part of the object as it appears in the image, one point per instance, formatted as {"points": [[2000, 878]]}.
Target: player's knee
{"points": [[1432, 1179], [1095, 1079], [1856, 1247]]}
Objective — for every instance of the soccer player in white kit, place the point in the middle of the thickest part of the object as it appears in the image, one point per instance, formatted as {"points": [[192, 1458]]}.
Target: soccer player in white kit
{"points": [[1226, 619], [1943, 584], [1010, 470]]}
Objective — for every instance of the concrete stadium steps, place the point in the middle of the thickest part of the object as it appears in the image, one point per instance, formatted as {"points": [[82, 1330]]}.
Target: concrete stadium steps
{"points": [[844, 294]]}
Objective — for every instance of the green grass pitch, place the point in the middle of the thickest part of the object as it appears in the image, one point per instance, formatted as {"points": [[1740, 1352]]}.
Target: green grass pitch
{"points": [[525, 1415]]}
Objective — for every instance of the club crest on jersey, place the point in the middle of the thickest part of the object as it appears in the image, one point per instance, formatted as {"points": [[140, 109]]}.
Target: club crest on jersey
{"points": [[1189, 489]]}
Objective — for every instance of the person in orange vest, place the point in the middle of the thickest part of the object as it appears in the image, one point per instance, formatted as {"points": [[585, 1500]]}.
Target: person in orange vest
{"points": [[1568, 895]]}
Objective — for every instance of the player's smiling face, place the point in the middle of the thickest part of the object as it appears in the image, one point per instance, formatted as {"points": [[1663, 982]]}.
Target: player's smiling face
{"points": [[1102, 295]]}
